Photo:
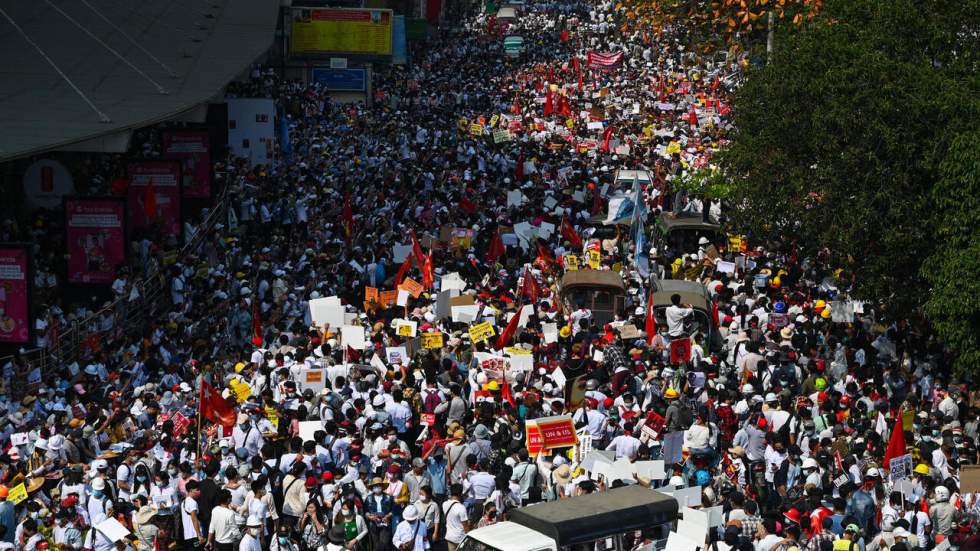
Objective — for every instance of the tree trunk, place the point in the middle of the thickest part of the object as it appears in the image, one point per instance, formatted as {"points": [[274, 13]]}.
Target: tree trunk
{"points": [[770, 36]]}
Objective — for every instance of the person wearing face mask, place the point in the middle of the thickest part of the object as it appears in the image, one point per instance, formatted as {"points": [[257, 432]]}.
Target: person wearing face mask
{"points": [[253, 531], [355, 529], [98, 502], [162, 495], [143, 527], [429, 511], [247, 435], [282, 541], [379, 510]]}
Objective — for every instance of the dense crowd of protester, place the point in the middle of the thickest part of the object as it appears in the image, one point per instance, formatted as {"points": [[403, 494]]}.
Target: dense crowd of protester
{"points": [[196, 432]]}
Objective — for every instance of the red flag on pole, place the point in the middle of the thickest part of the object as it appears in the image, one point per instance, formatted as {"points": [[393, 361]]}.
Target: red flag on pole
{"points": [[714, 313], [519, 169], [417, 252], [150, 201], [569, 233], [216, 408], [505, 392], [467, 206], [578, 70], [606, 136], [651, 325], [896, 442], [544, 252], [548, 108], [400, 276], [508, 333], [257, 338], [529, 286], [428, 275], [515, 108], [496, 249], [347, 221]]}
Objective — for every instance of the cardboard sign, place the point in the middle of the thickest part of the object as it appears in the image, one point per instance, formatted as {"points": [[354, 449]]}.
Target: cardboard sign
{"points": [[370, 294], [900, 467], [396, 355], [673, 447], [595, 259], [476, 129], [736, 244], [557, 432], [571, 262], [969, 479], [313, 379], [481, 332], [387, 298], [432, 340], [353, 336], [680, 350], [532, 438], [428, 420], [413, 287], [501, 136]]}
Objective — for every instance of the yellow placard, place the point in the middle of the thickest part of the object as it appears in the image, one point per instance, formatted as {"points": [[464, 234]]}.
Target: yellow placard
{"points": [[463, 123], [341, 30], [570, 123], [481, 332], [571, 262], [517, 351], [595, 260], [736, 244], [241, 389], [476, 129], [273, 416], [17, 494], [405, 330], [493, 120], [432, 340]]}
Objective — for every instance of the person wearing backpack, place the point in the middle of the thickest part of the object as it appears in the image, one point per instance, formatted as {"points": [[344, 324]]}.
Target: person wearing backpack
{"points": [[849, 541]]}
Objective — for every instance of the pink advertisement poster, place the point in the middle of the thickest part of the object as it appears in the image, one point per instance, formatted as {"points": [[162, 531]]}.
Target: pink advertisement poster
{"points": [[15, 289], [96, 233], [193, 149], [154, 196]]}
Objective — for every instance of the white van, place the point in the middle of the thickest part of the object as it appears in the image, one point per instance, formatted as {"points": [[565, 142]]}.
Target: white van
{"points": [[594, 521]]}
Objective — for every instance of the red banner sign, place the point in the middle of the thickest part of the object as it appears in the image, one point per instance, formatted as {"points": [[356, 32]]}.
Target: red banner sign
{"points": [[15, 292], [680, 350], [193, 149], [96, 232], [550, 432], [159, 206]]}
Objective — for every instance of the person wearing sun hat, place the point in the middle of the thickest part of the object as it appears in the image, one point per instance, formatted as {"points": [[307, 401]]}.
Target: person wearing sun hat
{"points": [[411, 534]]}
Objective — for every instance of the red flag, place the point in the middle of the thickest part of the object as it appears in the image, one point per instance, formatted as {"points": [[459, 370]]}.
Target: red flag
{"points": [[896, 443], [400, 276], [529, 286], [506, 394], [548, 108], [564, 108], [519, 169], [564, 36], [651, 325], [150, 201], [417, 251], [597, 202], [216, 408], [256, 324], [544, 252], [714, 313], [347, 218], [428, 276], [569, 233], [551, 75], [606, 136], [466, 205], [516, 107], [509, 332], [496, 249]]}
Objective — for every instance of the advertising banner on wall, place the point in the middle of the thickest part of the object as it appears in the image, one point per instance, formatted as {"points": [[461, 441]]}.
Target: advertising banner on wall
{"points": [[342, 31], [15, 294], [193, 149], [154, 196], [95, 229]]}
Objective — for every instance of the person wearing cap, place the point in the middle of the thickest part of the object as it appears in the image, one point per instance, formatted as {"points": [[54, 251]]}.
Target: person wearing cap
{"points": [[66, 533], [411, 534], [335, 540], [252, 539], [379, 511], [247, 435], [416, 478], [849, 541], [283, 540], [144, 529]]}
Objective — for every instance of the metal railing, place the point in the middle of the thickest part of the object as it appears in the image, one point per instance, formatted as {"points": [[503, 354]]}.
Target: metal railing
{"points": [[125, 315]]}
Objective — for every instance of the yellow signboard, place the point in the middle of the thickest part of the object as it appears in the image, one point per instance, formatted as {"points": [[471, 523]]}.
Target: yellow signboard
{"points": [[571, 262], [595, 259], [17, 494], [481, 332], [339, 30], [431, 340], [476, 129]]}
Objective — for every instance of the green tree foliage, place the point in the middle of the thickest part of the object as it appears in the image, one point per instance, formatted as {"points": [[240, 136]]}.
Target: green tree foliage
{"points": [[839, 140], [953, 305]]}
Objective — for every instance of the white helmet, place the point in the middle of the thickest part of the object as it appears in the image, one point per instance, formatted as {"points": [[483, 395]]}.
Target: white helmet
{"points": [[942, 493], [810, 463]]}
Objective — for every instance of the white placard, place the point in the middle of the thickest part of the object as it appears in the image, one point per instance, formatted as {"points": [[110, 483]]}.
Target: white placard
{"points": [[465, 314], [550, 331], [546, 229], [521, 362], [677, 542], [650, 470], [696, 516], [396, 355], [558, 376], [308, 428], [327, 311], [19, 438], [401, 252], [725, 267], [112, 529], [716, 516], [402, 297], [452, 281], [353, 336], [692, 530], [515, 198]]}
